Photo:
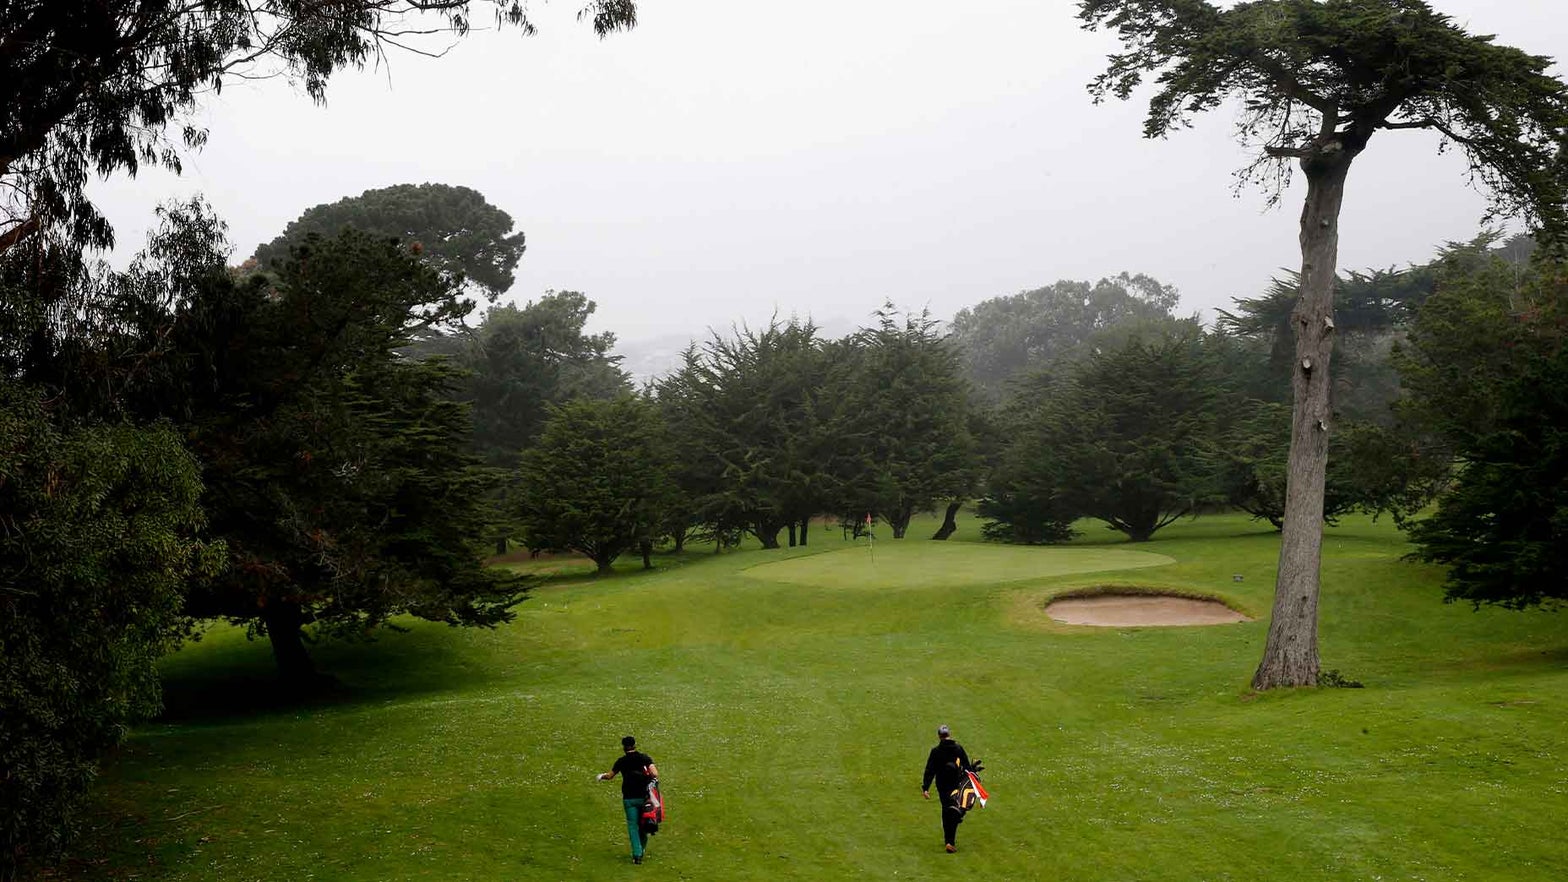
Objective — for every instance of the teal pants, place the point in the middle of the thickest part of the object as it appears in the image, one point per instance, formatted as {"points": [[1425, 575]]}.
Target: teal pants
{"points": [[633, 812]]}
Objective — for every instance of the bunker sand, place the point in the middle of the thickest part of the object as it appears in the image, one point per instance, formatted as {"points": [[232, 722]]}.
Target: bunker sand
{"points": [[1141, 611]]}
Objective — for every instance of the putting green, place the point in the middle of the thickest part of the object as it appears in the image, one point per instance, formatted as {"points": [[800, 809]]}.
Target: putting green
{"points": [[929, 564]]}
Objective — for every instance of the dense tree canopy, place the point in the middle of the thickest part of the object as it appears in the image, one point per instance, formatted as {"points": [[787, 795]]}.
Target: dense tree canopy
{"points": [[97, 542], [95, 87], [1485, 367], [1371, 468], [901, 421], [335, 468], [598, 481], [454, 228], [522, 359], [750, 406], [1371, 310], [1126, 436]]}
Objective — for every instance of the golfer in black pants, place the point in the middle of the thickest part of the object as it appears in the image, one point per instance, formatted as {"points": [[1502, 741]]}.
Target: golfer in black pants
{"points": [[946, 764]]}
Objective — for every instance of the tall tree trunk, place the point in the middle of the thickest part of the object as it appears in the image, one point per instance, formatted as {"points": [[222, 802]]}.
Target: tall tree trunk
{"points": [[284, 620], [680, 540], [646, 547], [805, 528], [768, 534], [500, 546], [949, 521], [791, 534], [605, 561], [1290, 657], [899, 521]]}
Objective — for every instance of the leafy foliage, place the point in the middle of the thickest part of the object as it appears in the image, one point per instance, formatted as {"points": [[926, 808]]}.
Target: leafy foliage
{"points": [[1126, 437], [751, 409], [521, 360], [1321, 77], [97, 529], [1371, 310], [1486, 366], [901, 421], [1370, 468], [1026, 505], [455, 229], [335, 467], [1317, 79], [94, 88], [598, 480]]}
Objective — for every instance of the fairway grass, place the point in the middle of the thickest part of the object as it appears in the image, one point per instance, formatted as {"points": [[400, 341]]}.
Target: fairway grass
{"points": [[790, 696]]}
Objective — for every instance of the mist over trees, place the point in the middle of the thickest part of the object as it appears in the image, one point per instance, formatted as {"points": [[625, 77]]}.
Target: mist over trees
{"points": [[1001, 339]]}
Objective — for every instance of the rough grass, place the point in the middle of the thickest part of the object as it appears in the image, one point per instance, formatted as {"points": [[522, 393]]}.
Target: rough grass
{"points": [[790, 696]]}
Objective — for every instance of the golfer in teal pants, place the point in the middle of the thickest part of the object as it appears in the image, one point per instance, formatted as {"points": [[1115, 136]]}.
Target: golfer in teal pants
{"points": [[636, 770], [633, 814]]}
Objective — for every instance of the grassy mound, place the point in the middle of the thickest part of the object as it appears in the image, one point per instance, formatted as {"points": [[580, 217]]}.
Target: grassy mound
{"points": [[790, 697], [913, 565]]}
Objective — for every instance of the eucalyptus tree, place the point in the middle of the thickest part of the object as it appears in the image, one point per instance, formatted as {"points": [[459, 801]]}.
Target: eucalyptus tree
{"points": [[1316, 80]]}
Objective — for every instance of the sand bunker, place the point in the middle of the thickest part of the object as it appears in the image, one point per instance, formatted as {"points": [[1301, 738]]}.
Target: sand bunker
{"points": [[1141, 611]]}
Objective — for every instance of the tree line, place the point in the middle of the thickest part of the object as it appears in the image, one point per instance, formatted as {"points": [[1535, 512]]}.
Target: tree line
{"points": [[316, 438], [317, 441]]}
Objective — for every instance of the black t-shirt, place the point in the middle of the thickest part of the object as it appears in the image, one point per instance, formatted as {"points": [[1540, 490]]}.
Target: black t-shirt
{"points": [[634, 783]]}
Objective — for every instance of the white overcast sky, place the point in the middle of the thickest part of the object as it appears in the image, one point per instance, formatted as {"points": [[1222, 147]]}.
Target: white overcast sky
{"points": [[725, 160]]}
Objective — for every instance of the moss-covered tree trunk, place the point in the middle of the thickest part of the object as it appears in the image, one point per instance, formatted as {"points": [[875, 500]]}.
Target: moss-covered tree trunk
{"points": [[1290, 657]]}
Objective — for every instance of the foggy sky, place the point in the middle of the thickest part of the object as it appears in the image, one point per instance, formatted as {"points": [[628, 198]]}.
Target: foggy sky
{"points": [[727, 160]]}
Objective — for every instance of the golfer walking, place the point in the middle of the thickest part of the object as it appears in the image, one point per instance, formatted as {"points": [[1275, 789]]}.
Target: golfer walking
{"points": [[946, 765], [636, 769]]}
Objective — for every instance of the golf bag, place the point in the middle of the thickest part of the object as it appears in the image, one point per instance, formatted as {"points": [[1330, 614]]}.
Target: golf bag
{"points": [[652, 810], [969, 792]]}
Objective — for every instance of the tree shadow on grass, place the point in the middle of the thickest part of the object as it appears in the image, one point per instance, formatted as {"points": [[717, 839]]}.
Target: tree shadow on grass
{"points": [[225, 677], [1509, 661]]}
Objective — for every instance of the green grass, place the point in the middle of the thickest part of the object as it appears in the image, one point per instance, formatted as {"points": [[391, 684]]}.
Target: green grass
{"points": [[790, 696]]}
